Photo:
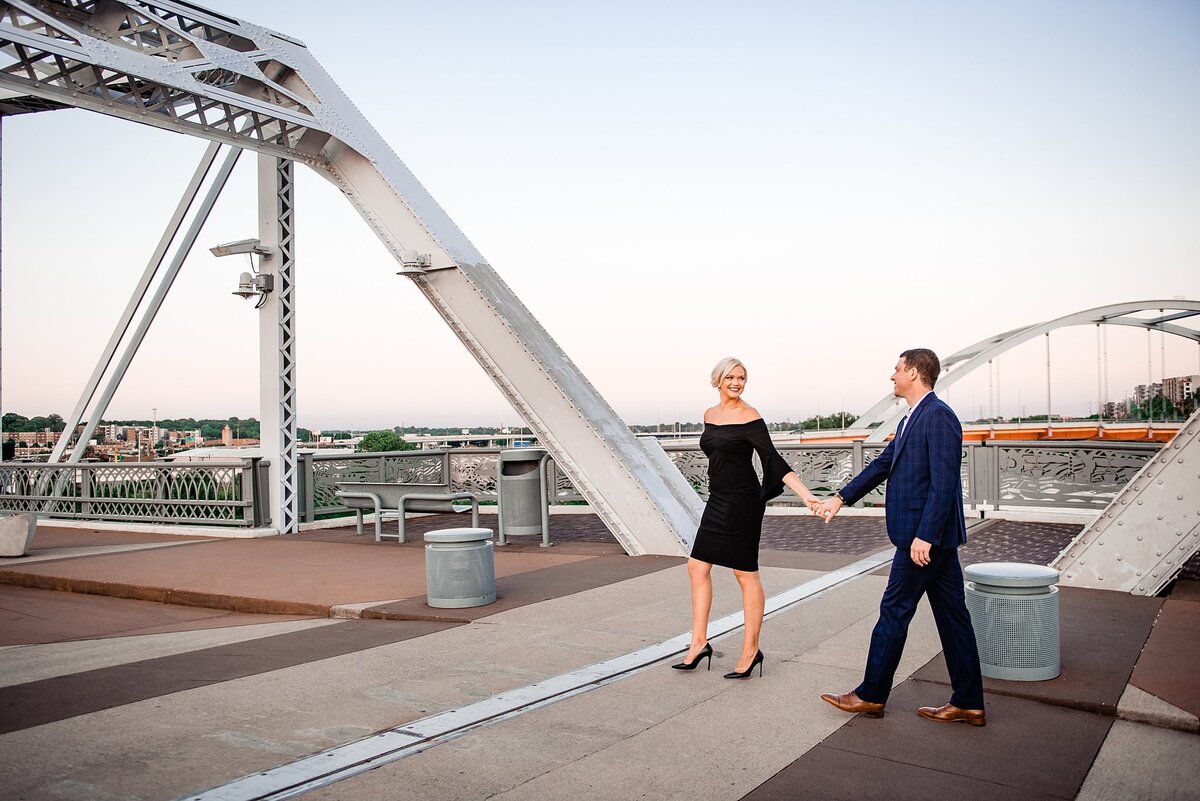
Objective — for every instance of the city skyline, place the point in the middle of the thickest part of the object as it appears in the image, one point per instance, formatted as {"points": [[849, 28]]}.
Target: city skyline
{"points": [[809, 188]]}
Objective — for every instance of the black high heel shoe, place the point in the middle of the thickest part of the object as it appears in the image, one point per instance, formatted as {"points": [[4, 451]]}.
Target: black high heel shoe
{"points": [[705, 651], [758, 660]]}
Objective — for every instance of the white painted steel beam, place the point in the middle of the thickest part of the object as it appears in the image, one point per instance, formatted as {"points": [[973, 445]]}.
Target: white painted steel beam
{"points": [[135, 300], [150, 310], [888, 411], [1149, 531], [183, 68], [277, 342]]}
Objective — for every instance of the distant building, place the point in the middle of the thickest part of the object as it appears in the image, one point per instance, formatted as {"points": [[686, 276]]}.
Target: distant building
{"points": [[1116, 410], [227, 437], [1180, 388], [1144, 393]]}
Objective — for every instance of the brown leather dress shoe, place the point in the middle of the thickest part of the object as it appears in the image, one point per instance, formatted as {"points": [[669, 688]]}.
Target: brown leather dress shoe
{"points": [[952, 714], [850, 702]]}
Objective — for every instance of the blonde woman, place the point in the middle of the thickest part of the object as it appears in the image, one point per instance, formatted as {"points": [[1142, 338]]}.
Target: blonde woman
{"points": [[732, 523]]}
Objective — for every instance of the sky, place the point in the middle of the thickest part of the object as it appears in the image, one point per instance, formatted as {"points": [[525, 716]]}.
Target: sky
{"points": [[811, 187]]}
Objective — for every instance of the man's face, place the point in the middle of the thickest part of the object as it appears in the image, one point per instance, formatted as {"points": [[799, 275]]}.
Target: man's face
{"points": [[903, 379]]}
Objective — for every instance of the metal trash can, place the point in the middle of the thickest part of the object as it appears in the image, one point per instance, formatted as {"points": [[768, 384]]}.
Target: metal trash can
{"points": [[1014, 611], [460, 570], [523, 507]]}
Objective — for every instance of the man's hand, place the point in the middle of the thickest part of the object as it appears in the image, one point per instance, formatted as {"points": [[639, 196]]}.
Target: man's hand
{"points": [[827, 510], [919, 551]]}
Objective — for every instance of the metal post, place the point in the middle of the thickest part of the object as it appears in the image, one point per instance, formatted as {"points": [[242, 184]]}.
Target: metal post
{"points": [[1104, 339], [1049, 425], [991, 404], [1162, 365], [1099, 386], [307, 487], [277, 342], [1149, 385]]}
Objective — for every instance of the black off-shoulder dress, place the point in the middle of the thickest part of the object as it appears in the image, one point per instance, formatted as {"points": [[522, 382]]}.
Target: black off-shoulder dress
{"points": [[732, 523]]}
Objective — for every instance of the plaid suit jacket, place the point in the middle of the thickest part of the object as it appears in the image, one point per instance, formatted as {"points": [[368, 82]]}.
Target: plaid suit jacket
{"points": [[923, 471]]}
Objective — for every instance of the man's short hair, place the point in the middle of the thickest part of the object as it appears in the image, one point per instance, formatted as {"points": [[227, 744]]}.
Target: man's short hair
{"points": [[925, 362]]}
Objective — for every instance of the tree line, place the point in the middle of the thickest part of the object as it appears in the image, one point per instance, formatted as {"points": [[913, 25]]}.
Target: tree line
{"points": [[242, 427]]}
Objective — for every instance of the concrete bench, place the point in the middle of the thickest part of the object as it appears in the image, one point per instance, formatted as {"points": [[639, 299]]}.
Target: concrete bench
{"points": [[387, 498]]}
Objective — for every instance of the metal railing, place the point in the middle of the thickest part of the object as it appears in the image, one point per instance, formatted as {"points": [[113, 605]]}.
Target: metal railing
{"points": [[202, 493], [995, 473]]}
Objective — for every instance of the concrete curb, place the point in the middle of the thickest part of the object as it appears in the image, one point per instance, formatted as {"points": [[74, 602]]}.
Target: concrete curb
{"points": [[164, 595]]}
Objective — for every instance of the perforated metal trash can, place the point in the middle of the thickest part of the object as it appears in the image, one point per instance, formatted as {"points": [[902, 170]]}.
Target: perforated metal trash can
{"points": [[521, 486], [1014, 611], [460, 570]]}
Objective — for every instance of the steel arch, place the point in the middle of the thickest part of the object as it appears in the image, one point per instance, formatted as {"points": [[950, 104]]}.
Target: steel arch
{"points": [[889, 410]]}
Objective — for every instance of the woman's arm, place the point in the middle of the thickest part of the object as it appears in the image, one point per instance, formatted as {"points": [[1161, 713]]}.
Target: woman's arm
{"points": [[797, 486]]}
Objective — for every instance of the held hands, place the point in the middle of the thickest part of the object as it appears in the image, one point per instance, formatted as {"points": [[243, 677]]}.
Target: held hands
{"points": [[827, 509]]}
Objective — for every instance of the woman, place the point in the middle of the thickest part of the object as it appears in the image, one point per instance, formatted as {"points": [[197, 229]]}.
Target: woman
{"points": [[732, 522]]}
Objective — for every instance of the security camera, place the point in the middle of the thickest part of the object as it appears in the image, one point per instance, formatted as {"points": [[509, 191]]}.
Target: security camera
{"points": [[241, 246]]}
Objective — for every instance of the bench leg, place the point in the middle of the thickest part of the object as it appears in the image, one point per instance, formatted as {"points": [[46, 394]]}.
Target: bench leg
{"points": [[401, 523], [378, 524], [358, 519]]}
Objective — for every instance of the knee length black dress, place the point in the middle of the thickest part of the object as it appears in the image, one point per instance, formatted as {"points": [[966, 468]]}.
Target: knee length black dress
{"points": [[732, 522]]}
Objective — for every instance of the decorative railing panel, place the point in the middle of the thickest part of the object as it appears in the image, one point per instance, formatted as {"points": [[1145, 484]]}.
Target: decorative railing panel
{"points": [[414, 467], [149, 492], [1048, 474]]}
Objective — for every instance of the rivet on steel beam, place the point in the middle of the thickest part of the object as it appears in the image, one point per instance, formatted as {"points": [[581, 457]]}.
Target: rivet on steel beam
{"points": [[1159, 517], [1120, 522], [1120, 558], [1139, 537]]}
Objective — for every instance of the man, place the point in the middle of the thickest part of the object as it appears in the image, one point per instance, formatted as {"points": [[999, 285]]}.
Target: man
{"points": [[925, 522]]}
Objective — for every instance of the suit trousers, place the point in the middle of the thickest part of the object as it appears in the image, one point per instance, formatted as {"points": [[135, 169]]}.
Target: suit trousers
{"points": [[942, 581]]}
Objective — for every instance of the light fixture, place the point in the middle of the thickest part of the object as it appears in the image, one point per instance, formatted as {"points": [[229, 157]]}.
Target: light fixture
{"points": [[414, 263], [250, 285], [254, 283]]}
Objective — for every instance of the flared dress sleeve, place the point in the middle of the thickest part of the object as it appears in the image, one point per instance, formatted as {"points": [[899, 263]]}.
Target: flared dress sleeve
{"points": [[773, 465]]}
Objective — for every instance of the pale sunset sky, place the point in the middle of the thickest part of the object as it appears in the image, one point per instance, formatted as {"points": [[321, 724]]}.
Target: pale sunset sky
{"points": [[811, 187]]}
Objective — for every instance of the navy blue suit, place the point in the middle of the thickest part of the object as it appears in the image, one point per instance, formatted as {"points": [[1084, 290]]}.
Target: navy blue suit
{"points": [[924, 501]]}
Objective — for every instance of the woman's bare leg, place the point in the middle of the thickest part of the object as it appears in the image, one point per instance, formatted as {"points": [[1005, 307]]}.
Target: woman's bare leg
{"points": [[753, 603], [700, 576]]}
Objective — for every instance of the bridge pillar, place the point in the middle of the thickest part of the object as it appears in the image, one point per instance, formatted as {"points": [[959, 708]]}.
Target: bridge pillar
{"points": [[277, 342]]}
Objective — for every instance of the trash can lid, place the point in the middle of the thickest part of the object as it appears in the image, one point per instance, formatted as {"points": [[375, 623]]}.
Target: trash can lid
{"points": [[522, 454], [1011, 574], [458, 535]]}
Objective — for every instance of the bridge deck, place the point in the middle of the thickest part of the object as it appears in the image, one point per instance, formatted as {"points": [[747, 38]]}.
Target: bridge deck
{"points": [[230, 692]]}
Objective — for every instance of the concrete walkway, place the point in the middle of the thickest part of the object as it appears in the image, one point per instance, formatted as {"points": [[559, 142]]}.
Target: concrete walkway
{"points": [[106, 695]]}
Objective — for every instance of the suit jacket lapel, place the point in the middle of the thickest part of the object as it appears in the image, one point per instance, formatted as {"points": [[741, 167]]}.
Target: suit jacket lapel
{"points": [[908, 425]]}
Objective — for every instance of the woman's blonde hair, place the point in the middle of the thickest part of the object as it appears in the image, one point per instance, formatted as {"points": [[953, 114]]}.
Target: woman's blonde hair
{"points": [[724, 368]]}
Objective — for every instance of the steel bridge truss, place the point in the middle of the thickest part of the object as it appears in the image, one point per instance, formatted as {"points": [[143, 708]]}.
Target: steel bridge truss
{"points": [[1150, 530], [180, 67]]}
